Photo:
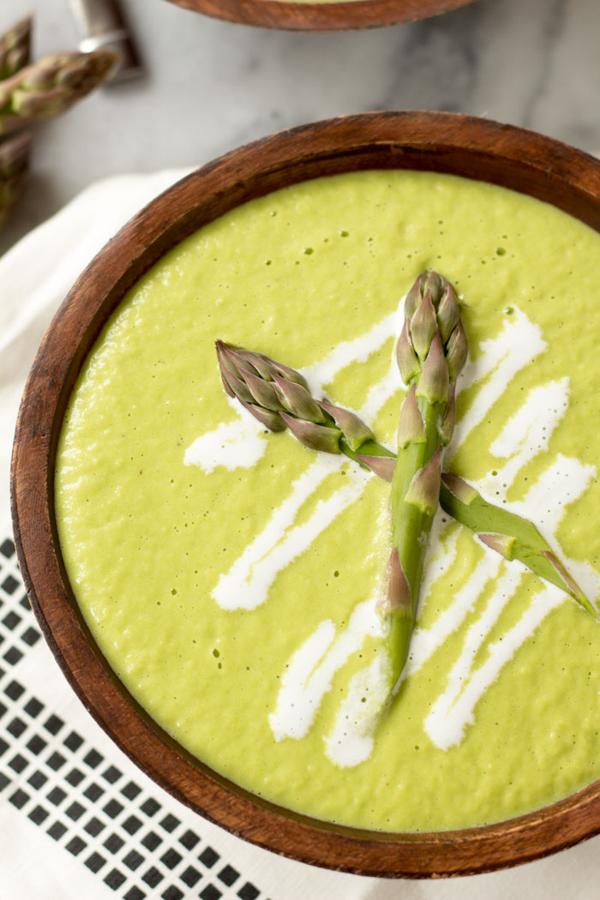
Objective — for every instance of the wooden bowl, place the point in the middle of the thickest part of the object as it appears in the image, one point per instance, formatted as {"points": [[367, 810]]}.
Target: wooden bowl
{"points": [[440, 142], [344, 16]]}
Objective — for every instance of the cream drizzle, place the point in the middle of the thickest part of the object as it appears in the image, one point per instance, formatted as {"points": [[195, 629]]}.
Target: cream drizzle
{"points": [[454, 709], [443, 727], [358, 349], [311, 669], [232, 445], [427, 640], [524, 436], [499, 360], [351, 740], [246, 585]]}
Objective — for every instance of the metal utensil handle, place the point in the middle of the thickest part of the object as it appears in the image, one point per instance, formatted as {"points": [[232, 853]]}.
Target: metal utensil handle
{"points": [[103, 26]]}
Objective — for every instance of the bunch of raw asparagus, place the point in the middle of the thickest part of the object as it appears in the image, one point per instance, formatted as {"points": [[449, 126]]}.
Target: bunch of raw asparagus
{"points": [[431, 352], [30, 93]]}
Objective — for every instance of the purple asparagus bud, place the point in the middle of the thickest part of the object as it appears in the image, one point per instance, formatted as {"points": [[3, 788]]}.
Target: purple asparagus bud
{"points": [[270, 420], [413, 298], [398, 595], [315, 437], [571, 585], [448, 312], [353, 429], [447, 419], [15, 48], [382, 466], [456, 351], [424, 489], [423, 326], [434, 382], [501, 543], [279, 397], [411, 428], [406, 357], [460, 488], [50, 87], [255, 362], [264, 392], [297, 401]]}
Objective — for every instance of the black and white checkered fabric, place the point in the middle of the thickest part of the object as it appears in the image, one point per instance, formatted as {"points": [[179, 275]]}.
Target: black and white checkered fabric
{"points": [[76, 794]]}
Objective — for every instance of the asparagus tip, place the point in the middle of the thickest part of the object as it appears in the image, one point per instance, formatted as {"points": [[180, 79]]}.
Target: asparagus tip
{"points": [[501, 543], [423, 325], [434, 383], [571, 585], [266, 417], [398, 596], [382, 466], [312, 435], [406, 357], [463, 492], [447, 419], [411, 428], [456, 351], [355, 431], [424, 489]]}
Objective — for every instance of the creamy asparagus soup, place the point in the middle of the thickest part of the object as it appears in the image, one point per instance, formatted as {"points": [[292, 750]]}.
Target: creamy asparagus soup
{"points": [[230, 575]]}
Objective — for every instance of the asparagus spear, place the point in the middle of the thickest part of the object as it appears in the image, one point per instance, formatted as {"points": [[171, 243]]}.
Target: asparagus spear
{"points": [[431, 351], [50, 87], [15, 52], [250, 378], [15, 48], [279, 397], [14, 161], [508, 534]]}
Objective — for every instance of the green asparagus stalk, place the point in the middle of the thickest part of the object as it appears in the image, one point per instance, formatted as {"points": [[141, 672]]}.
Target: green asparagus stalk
{"points": [[431, 352], [508, 534], [14, 162], [286, 403], [15, 48], [50, 87]]}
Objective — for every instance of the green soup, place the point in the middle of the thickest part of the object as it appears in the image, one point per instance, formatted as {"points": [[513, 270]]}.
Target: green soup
{"points": [[229, 575]]}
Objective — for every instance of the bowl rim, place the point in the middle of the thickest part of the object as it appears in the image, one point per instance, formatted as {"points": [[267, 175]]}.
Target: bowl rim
{"points": [[443, 142], [347, 15]]}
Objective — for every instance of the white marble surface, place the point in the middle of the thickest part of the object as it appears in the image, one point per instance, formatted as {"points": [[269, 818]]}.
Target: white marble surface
{"points": [[211, 86]]}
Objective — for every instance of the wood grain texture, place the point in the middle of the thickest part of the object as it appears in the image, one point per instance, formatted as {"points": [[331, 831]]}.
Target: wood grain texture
{"points": [[439, 142], [345, 16]]}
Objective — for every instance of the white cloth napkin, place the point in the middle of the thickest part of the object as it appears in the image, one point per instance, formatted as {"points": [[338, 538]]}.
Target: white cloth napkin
{"points": [[78, 820]]}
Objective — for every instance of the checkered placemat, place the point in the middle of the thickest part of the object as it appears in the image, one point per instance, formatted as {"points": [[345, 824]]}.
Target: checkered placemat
{"points": [[92, 808]]}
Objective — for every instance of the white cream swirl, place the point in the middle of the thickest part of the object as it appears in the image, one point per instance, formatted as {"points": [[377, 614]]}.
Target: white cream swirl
{"points": [[309, 673]]}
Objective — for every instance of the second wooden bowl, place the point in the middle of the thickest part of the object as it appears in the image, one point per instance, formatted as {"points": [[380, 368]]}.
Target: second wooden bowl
{"points": [[439, 142], [343, 16]]}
